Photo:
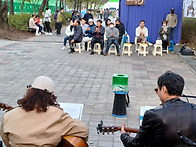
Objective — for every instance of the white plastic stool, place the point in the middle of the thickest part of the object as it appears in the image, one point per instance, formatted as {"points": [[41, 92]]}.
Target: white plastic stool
{"points": [[97, 48], [127, 49], [143, 49], [157, 49], [167, 51], [112, 49], [77, 47]]}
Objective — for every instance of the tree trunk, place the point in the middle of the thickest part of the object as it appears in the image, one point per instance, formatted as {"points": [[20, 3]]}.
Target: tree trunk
{"points": [[74, 4], [11, 7], [47, 3], [21, 6], [3, 14], [65, 4], [80, 6], [56, 5], [87, 4], [42, 6]]}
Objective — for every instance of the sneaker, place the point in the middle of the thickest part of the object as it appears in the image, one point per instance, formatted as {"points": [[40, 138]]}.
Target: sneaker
{"points": [[105, 54], [63, 47], [72, 51], [150, 44], [50, 33], [37, 34], [118, 54], [92, 53], [102, 53], [40, 33], [46, 33]]}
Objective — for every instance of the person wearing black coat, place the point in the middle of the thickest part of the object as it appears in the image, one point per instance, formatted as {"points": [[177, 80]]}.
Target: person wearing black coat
{"points": [[121, 28], [88, 15], [160, 125], [77, 36]]}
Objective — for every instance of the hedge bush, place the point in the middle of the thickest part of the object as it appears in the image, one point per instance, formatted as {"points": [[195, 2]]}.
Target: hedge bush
{"points": [[21, 21], [188, 30]]}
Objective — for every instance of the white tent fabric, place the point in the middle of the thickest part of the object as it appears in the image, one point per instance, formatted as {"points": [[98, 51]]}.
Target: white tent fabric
{"points": [[111, 5]]}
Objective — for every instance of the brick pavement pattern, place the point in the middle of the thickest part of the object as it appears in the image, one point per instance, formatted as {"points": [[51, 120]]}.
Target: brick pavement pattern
{"points": [[81, 78]]}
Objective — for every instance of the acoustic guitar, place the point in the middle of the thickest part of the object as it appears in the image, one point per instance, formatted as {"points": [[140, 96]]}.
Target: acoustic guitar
{"points": [[102, 129], [66, 141]]}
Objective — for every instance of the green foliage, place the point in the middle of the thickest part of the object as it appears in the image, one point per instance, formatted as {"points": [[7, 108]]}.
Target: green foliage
{"points": [[188, 30], [20, 21]]}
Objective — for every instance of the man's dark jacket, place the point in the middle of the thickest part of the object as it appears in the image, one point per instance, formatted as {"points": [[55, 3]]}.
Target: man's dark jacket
{"points": [[160, 125], [78, 33], [121, 29], [87, 16], [102, 32]]}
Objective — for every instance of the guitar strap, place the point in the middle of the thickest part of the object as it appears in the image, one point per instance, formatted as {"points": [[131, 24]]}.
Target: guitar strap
{"points": [[127, 99]]}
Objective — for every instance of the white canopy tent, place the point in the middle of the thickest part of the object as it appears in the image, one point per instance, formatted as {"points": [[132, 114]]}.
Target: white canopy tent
{"points": [[111, 5]]}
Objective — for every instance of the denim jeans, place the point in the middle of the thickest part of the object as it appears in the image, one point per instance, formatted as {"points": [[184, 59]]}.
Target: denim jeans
{"points": [[112, 41], [65, 40], [172, 30]]}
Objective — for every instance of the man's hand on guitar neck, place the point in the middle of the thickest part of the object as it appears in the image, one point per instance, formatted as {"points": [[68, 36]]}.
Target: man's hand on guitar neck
{"points": [[123, 129]]}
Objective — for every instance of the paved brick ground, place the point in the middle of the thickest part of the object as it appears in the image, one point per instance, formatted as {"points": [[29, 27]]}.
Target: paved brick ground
{"points": [[81, 78]]}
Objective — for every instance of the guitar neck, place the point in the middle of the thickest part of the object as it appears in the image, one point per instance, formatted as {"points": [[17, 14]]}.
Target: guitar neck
{"points": [[127, 129]]}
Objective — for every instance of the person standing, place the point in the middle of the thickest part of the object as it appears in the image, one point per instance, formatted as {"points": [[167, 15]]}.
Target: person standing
{"points": [[160, 125], [38, 120], [164, 32], [98, 36], [101, 13], [112, 35], [172, 22], [47, 19], [106, 15], [77, 36], [88, 15], [55, 18], [76, 16], [98, 13], [60, 17]]}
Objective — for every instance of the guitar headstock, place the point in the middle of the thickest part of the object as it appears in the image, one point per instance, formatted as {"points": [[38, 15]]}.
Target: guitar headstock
{"points": [[5, 107], [105, 129]]}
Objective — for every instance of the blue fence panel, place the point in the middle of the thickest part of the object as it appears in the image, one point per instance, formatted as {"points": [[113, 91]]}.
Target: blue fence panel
{"points": [[153, 12]]}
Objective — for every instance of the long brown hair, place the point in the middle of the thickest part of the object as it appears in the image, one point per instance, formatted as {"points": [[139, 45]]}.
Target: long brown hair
{"points": [[37, 99]]}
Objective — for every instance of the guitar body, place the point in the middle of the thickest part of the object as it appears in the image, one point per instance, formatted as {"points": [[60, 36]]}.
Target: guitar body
{"points": [[72, 141]]}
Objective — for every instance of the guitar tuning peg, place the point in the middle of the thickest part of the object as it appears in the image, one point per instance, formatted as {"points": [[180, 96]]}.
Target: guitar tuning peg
{"points": [[97, 130], [112, 129], [108, 130]]}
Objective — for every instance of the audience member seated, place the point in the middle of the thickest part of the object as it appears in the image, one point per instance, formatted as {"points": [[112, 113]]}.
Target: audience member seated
{"points": [[38, 120], [112, 35], [141, 32], [32, 24], [98, 36], [121, 28], [108, 21], [83, 25], [77, 36], [164, 32], [37, 19], [69, 32], [89, 33]]}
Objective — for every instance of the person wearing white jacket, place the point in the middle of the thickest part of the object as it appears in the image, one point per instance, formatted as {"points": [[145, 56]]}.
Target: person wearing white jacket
{"points": [[69, 32]]}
